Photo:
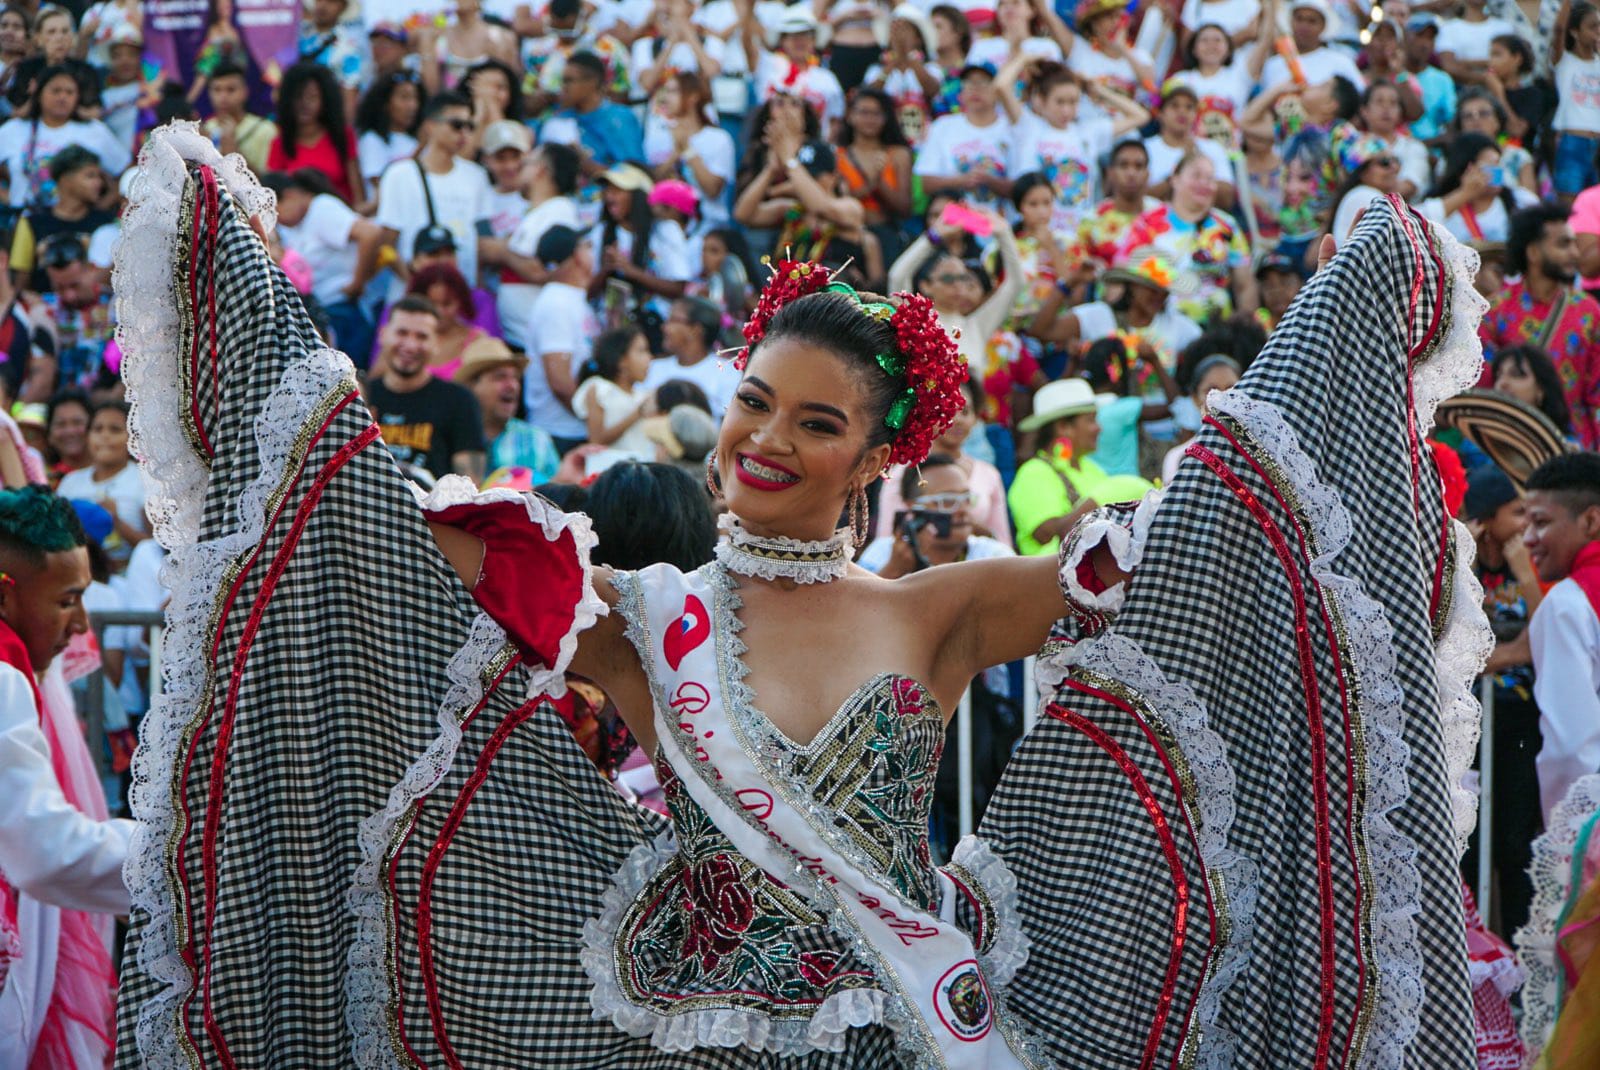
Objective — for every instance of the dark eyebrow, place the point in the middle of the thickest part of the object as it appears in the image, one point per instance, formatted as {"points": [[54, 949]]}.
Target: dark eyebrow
{"points": [[809, 406]]}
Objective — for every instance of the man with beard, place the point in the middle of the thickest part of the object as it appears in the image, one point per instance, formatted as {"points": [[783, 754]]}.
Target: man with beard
{"points": [[427, 423], [1545, 310], [495, 379]]}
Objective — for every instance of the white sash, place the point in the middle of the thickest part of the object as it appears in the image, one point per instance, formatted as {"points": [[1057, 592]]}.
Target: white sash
{"points": [[926, 960]]}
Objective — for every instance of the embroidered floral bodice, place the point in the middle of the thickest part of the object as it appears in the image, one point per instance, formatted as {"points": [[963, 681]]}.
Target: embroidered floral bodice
{"points": [[699, 939]]}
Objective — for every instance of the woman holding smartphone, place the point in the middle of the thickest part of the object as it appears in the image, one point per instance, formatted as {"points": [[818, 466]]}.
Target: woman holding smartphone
{"points": [[1476, 196]]}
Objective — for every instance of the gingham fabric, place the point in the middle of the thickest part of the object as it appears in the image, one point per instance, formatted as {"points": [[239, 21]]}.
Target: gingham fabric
{"points": [[1191, 722], [323, 647]]}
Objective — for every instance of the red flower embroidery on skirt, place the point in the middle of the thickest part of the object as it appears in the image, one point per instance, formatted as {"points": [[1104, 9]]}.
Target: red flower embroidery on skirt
{"points": [[721, 908], [818, 967]]}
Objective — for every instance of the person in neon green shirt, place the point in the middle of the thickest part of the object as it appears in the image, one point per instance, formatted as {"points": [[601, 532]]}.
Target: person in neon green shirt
{"points": [[1060, 484]]}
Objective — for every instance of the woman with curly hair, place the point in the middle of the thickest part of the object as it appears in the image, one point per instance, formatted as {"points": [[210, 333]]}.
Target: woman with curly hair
{"points": [[313, 132]]}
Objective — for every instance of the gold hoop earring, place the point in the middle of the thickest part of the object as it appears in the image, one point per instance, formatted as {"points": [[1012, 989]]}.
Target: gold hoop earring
{"points": [[712, 481], [859, 515]]}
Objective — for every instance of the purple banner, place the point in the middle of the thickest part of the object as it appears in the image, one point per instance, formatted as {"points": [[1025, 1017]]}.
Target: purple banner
{"points": [[261, 35]]}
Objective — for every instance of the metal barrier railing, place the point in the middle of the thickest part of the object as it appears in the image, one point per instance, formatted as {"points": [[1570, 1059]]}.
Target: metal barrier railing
{"points": [[94, 710]]}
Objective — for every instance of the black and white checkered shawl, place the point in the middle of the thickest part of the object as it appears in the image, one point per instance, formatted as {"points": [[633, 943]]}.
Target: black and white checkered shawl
{"points": [[1235, 835], [359, 843]]}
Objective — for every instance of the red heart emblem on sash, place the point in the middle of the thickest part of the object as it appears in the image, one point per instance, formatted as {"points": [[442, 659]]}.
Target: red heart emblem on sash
{"points": [[687, 632]]}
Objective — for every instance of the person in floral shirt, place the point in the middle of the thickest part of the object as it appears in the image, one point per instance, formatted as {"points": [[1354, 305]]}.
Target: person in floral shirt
{"points": [[1202, 241], [1102, 232], [1544, 309], [327, 39]]}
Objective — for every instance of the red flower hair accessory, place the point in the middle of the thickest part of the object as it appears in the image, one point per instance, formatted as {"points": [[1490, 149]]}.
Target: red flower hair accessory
{"points": [[925, 355]]}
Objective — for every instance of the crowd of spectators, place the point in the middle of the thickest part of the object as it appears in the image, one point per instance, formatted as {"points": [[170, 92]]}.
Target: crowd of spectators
{"points": [[536, 228]]}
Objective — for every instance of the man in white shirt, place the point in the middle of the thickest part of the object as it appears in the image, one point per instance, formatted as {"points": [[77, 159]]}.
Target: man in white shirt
{"points": [[339, 247], [560, 332], [52, 853], [690, 334], [966, 152], [552, 185], [455, 194], [1308, 25], [1563, 540]]}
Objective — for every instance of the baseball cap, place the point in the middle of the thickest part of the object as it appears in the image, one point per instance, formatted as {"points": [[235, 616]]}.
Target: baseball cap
{"points": [[976, 68], [628, 176], [1422, 20], [506, 134], [557, 245], [1281, 262], [96, 519], [392, 31], [797, 20], [433, 239]]}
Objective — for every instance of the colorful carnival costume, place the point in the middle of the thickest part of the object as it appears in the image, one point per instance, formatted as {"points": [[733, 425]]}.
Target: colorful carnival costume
{"points": [[361, 810]]}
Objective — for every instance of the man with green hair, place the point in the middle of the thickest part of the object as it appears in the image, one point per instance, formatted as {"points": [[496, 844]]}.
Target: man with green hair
{"points": [[59, 856]]}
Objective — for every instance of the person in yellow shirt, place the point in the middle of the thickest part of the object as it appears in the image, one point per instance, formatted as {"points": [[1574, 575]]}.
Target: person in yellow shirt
{"points": [[1060, 484]]}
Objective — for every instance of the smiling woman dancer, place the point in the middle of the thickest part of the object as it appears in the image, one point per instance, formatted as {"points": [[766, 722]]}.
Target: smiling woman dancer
{"points": [[1231, 839]]}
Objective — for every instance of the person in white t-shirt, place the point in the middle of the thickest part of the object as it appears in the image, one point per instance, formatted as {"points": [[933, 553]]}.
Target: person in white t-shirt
{"points": [[680, 141], [1308, 26], [1238, 19], [1575, 52], [111, 480], [1463, 45], [28, 145], [1101, 52], [1180, 106], [1222, 81], [552, 172], [1025, 27], [560, 332], [689, 335], [1048, 136], [675, 46], [387, 117], [339, 246], [795, 67], [457, 189], [968, 153], [506, 144]]}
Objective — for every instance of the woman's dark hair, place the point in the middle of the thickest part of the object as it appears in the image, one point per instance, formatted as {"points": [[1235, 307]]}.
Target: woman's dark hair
{"points": [[1046, 76], [836, 323], [1461, 154], [755, 156], [1575, 16], [1537, 363], [1190, 63], [649, 514], [373, 111], [1517, 47], [641, 222], [1373, 90], [912, 476], [50, 74], [892, 133], [568, 497], [451, 279], [174, 104], [1478, 92], [957, 18], [926, 268], [295, 81], [734, 241], [1098, 361], [1026, 184], [675, 392], [514, 104], [110, 406], [564, 166], [70, 395], [1240, 338], [605, 359], [305, 179], [1346, 95]]}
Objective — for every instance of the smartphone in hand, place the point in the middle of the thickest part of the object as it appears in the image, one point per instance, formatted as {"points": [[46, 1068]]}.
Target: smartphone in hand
{"points": [[961, 217]]}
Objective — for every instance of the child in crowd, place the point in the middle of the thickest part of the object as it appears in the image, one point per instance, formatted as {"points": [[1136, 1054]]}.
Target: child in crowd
{"points": [[608, 400]]}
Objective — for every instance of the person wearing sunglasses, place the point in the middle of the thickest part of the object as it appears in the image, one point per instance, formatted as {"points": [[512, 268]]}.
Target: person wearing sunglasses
{"points": [[438, 190], [80, 317], [935, 525], [1374, 172]]}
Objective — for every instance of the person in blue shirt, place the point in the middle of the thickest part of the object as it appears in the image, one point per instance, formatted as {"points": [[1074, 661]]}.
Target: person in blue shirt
{"points": [[608, 132], [1433, 86]]}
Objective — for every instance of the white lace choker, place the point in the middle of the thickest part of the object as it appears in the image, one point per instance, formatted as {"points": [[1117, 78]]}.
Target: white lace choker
{"points": [[783, 558]]}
